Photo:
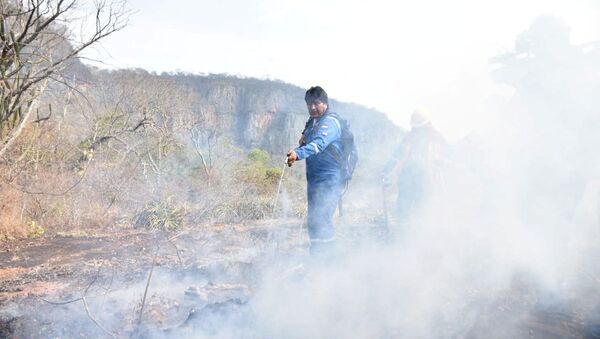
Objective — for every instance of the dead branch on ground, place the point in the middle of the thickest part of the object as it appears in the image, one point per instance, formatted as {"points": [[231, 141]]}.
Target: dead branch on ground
{"points": [[85, 304]]}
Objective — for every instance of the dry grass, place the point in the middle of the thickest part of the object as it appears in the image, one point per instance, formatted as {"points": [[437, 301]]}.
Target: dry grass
{"points": [[11, 223], [242, 208]]}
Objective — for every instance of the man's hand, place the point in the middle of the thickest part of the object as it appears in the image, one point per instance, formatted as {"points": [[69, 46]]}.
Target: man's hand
{"points": [[291, 157], [301, 141]]}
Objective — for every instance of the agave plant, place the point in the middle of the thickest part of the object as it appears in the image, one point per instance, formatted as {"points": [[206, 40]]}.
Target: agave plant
{"points": [[161, 216]]}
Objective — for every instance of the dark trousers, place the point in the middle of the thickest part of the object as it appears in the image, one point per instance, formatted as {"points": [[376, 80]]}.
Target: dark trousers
{"points": [[323, 199], [413, 189]]}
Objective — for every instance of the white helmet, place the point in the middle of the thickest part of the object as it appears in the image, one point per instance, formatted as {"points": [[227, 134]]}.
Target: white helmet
{"points": [[419, 118]]}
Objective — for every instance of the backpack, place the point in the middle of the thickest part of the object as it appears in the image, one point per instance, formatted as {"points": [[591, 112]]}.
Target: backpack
{"points": [[348, 157]]}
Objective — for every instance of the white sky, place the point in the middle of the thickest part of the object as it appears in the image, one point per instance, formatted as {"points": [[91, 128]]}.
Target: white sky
{"points": [[390, 55]]}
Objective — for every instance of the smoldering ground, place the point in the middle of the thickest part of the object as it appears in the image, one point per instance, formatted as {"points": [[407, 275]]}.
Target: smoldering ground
{"points": [[507, 247]]}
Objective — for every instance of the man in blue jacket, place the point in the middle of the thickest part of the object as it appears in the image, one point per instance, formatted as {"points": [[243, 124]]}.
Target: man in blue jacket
{"points": [[319, 144]]}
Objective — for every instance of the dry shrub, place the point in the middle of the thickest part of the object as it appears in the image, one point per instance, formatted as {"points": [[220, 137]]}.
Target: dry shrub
{"points": [[161, 216], [11, 224], [248, 207]]}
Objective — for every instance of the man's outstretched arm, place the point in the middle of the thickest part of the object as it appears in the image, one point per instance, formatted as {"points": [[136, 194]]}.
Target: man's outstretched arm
{"points": [[329, 131]]}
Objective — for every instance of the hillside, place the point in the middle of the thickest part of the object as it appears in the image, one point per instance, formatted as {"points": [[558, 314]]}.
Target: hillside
{"points": [[128, 138], [267, 114]]}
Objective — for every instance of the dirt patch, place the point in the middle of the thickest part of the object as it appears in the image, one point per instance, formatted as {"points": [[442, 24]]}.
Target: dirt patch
{"points": [[33, 289], [65, 250], [11, 272], [47, 266], [111, 272]]}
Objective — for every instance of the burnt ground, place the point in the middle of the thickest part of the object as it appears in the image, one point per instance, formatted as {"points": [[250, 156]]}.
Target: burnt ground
{"points": [[40, 277], [92, 286], [28, 264]]}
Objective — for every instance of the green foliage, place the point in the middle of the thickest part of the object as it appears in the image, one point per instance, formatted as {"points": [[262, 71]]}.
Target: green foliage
{"points": [[85, 145], [259, 155], [171, 147], [161, 216], [113, 119], [74, 234], [258, 172], [273, 174], [7, 237], [34, 229]]}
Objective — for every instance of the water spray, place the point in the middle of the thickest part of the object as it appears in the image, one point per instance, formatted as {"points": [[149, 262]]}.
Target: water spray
{"points": [[279, 187]]}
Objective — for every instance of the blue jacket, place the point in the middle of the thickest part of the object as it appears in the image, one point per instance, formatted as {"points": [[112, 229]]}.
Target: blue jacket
{"points": [[322, 136]]}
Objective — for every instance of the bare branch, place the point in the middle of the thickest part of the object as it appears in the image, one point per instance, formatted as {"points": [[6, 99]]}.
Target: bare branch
{"points": [[85, 304], [60, 302], [34, 47], [56, 194], [148, 283], [15, 133], [89, 314], [176, 251], [38, 120]]}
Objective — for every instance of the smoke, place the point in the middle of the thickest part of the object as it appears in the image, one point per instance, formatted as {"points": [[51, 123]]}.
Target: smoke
{"points": [[512, 232], [507, 241]]}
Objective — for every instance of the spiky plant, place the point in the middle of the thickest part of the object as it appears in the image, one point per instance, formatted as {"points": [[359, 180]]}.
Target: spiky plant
{"points": [[161, 216]]}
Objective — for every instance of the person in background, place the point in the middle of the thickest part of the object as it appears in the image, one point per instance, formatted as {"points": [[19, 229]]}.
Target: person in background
{"points": [[415, 167]]}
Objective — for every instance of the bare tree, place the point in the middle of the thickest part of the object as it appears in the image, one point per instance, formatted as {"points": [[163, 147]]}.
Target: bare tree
{"points": [[141, 118], [204, 136], [35, 45]]}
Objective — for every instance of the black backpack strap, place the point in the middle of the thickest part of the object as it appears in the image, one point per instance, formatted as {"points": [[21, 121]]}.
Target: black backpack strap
{"points": [[336, 153], [306, 126]]}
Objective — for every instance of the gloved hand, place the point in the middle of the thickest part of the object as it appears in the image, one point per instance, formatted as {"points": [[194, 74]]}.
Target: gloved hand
{"points": [[291, 157]]}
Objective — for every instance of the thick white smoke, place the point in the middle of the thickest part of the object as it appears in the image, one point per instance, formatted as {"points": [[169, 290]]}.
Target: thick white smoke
{"points": [[516, 220]]}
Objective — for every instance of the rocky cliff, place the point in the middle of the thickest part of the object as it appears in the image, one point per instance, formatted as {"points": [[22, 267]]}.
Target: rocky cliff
{"points": [[271, 114]]}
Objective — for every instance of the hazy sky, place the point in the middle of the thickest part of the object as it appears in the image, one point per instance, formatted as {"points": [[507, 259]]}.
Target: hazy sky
{"points": [[389, 55]]}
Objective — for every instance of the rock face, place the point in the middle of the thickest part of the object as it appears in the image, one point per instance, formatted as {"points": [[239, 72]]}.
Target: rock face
{"points": [[251, 113], [271, 114]]}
